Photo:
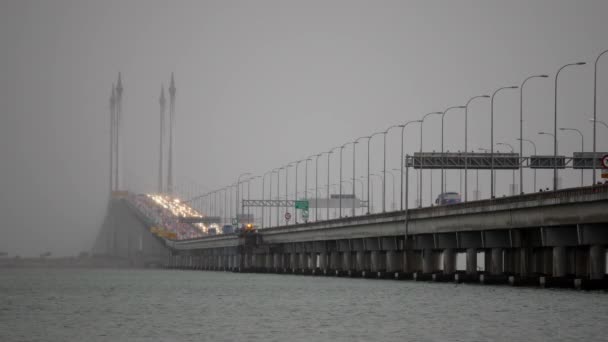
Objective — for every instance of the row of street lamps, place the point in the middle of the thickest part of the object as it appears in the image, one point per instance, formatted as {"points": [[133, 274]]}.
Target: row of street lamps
{"points": [[421, 121]]}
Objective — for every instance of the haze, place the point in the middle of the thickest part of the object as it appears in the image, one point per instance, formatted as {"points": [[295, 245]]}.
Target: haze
{"points": [[264, 83]]}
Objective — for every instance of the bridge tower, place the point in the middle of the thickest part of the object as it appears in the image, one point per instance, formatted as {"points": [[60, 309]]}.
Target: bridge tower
{"points": [[112, 136], [117, 131], [171, 159], [162, 103]]}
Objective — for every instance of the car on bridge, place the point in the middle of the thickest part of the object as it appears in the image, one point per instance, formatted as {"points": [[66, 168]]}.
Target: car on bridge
{"points": [[448, 198]]}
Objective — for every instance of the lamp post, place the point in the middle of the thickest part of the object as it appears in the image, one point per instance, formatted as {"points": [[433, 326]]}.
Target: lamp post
{"points": [[513, 177], [368, 143], [521, 128], [317, 185], [328, 195], [582, 146], [287, 189], [466, 139], [278, 194], [492, 137], [600, 122], [340, 200], [554, 156], [238, 183], [270, 192], [393, 192], [355, 142], [384, 168], [485, 150], [380, 178], [421, 163], [595, 112], [555, 124], [402, 158], [442, 135], [534, 146]]}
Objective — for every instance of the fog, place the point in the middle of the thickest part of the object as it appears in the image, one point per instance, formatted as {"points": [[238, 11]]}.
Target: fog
{"points": [[264, 83]]}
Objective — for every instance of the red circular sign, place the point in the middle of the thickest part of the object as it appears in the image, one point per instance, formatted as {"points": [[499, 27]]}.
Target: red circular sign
{"points": [[605, 161], [287, 216]]}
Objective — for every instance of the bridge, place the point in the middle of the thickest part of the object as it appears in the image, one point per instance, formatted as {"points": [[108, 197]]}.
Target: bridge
{"points": [[555, 238]]}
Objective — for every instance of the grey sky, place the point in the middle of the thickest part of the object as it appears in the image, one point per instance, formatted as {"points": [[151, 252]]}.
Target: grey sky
{"points": [[263, 83]]}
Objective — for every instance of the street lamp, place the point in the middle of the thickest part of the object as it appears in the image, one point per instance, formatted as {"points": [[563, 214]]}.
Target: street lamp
{"points": [[485, 150], [278, 194], [340, 200], [534, 146], [554, 156], [555, 124], [368, 143], [595, 111], [582, 146], [442, 155], [599, 121], [328, 196], [287, 190], [393, 181], [421, 164], [402, 158], [466, 139], [238, 183], [492, 137], [513, 178], [355, 142], [521, 128]]}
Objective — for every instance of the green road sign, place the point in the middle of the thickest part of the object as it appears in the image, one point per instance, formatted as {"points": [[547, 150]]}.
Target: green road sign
{"points": [[305, 214], [302, 204]]}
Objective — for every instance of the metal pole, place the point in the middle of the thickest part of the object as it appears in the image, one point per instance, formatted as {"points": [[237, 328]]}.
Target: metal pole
{"points": [[466, 147], [521, 129], [595, 114], [492, 190], [161, 139], [582, 146], [112, 128], [443, 185], [384, 173], [421, 159], [340, 178], [555, 125], [317, 186]]}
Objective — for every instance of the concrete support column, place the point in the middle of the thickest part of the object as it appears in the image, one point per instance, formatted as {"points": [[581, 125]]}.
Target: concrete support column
{"points": [[293, 261], [524, 262], [559, 261], [449, 261], [360, 260], [375, 261], [303, 261], [547, 260], [311, 261], [428, 261], [471, 261], [391, 261], [334, 261], [497, 260], [597, 262], [276, 261], [346, 261], [269, 262], [581, 256], [323, 261]]}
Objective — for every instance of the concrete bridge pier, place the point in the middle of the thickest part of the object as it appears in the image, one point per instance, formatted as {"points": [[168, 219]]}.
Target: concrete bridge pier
{"points": [[269, 264], [449, 261], [430, 261], [496, 266], [471, 261], [334, 262], [302, 261], [322, 262], [277, 259], [293, 261], [559, 261], [597, 262], [347, 264]]}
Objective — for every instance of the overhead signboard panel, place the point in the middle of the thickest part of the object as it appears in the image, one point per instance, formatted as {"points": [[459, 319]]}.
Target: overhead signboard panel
{"points": [[450, 160], [547, 162], [584, 160]]}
